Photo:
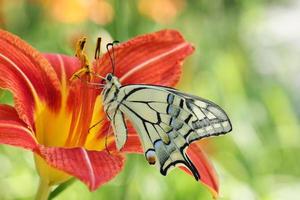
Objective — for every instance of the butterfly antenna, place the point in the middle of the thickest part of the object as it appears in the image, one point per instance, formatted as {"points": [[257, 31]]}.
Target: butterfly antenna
{"points": [[112, 57]]}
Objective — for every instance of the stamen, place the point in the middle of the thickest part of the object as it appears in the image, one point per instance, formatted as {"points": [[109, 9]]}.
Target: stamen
{"points": [[80, 54], [98, 49]]}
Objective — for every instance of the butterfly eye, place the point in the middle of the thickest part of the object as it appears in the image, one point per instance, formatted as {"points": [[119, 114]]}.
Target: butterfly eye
{"points": [[109, 77], [150, 156]]}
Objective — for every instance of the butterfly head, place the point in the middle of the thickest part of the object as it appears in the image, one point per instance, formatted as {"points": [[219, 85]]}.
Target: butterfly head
{"points": [[109, 77], [111, 81]]}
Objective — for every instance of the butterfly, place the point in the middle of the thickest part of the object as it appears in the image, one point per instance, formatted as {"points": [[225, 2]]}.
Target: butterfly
{"points": [[166, 120]]}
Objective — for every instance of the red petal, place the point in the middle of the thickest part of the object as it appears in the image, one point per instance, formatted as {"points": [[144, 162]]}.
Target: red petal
{"points": [[29, 76], [13, 130], [63, 65], [133, 143], [204, 167], [148, 59], [94, 168]]}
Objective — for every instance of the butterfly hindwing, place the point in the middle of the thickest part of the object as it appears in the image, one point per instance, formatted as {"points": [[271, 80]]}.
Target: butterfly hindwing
{"points": [[157, 142], [167, 121], [206, 118]]}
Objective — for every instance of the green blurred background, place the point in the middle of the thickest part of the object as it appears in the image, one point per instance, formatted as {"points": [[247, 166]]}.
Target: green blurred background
{"points": [[246, 60]]}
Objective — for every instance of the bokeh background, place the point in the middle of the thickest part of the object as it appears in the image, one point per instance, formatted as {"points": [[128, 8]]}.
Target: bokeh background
{"points": [[247, 60]]}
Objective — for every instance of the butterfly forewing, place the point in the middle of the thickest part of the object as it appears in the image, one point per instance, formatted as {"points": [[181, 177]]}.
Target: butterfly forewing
{"points": [[119, 128], [167, 121]]}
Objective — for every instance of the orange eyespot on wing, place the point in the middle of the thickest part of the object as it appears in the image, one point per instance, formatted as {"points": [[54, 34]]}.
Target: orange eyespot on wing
{"points": [[150, 156]]}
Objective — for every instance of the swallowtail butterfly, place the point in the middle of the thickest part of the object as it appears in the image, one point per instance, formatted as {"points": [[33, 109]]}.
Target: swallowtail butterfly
{"points": [[166, 120]]}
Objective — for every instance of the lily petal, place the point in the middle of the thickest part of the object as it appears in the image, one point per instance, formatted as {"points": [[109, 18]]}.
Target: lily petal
{"points": [[13, 131], [94, 168], [28, 75], [148, 59], [63, 65], [133, 143], [77, 102], [204, 167]]}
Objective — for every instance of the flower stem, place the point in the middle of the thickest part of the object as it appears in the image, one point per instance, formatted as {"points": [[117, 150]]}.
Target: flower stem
{"points": [[43, 190]]}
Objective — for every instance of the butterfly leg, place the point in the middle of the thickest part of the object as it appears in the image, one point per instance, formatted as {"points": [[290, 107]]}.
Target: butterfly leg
{"points": [[96, 124], [92, 85], [106, 136]]}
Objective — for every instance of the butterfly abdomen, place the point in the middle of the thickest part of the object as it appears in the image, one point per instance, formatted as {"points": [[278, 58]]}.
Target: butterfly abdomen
{"points": [[110, 95]]}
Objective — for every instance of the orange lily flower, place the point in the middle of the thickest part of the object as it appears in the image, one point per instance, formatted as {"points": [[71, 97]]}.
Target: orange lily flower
{"points": [[52, 116]]}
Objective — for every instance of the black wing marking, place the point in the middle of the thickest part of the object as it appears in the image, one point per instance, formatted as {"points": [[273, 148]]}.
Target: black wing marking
{"points": [[168, 121]]}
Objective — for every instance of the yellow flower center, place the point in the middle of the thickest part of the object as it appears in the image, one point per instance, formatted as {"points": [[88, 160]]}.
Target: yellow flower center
{"points": [[71, 125]]}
